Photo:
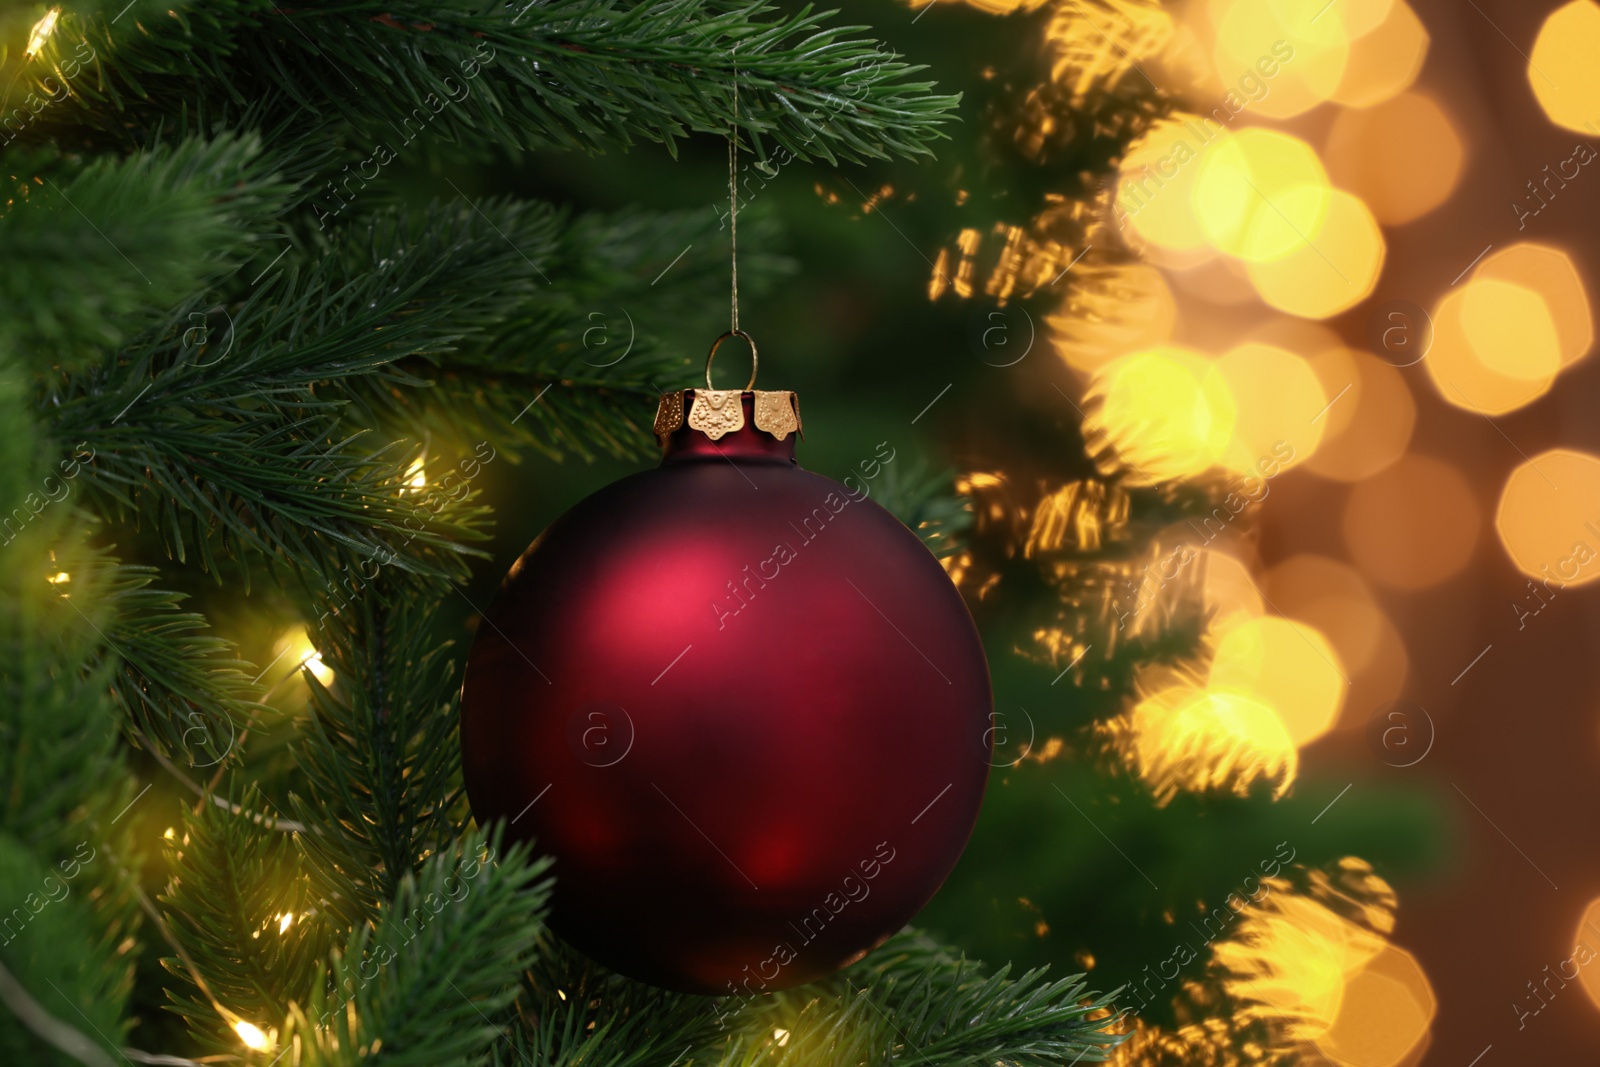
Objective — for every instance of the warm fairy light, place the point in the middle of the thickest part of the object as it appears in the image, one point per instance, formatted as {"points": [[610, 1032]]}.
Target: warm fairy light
{"points": [[1551, 273], [1495, 346], [1384, 61], [1261, 194], [1384, 1015], [284, 920], [1285, 665], [296, 647], [1113, 310], [1333, 597], [169, 833], [562, 993], [781, 1036], [252, 1035], [1511, 329], [1306, 55], [1369, 418], [1293, 955], [1413, 525], [1361, 17], [59, 578], [1546, 520], [1403, 157], [416, 476], [1162, 415], [1155, 184], [41, 32], [1586, 951], [1561, 66], [1329, 271], [1194, 740], [1276, 397], [1227, 587]]}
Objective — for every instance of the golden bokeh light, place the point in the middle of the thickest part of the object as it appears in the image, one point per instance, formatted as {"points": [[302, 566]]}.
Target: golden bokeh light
{"points": [[1295, 955], [1413, 525], [1552, 274], [1229, 591], [1562, 68], [1260, 194], [1332, 597], [1112, 311], [1385, 60], [1403, 157], [1195, 740], [1495, 346], [1276, 398], [1361, 17], [1511, 329], [1549, 518], [1156, 180], [1385, 1013], [1162, 414], [1369, 418], [1219, 281], [1586, 947], [1298, 61], [1286, 665], [1329, 271]]}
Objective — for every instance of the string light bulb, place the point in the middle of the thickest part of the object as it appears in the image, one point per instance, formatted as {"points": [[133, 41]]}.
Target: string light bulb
{"points": [[284, 920], [252, 1035], [416, 476], [59, 578], [41, 32]]}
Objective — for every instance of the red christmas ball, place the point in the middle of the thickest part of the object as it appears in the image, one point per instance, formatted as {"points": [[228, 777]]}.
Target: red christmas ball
{"points": [[741, 705]]}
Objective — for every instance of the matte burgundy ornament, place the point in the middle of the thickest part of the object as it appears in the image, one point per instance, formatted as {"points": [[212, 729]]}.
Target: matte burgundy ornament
{"points": [[740, 703]]}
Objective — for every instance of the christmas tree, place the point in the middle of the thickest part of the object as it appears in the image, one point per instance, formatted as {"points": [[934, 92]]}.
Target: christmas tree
{"points": [[263, 334]]}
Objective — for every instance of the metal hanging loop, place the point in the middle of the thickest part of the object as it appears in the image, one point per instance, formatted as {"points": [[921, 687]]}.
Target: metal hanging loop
{"points": [[755, 359]]}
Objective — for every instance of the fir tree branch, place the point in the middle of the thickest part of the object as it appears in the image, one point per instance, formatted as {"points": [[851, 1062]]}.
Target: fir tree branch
{"points": [[231, 882], [97, 251], [379, 768], [177, 684], [69, 922], [575, 73], [914, 1002], [422, 981]]}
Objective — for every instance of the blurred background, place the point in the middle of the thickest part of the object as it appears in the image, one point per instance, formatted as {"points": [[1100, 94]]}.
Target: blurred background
{"points": [[1237, 357]]}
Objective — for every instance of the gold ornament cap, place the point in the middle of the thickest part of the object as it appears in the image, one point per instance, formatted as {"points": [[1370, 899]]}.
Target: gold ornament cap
{"points": [[719, 412]]}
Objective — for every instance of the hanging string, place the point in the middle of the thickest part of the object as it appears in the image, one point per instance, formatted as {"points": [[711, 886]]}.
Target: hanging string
{"points": [[733, 198]]}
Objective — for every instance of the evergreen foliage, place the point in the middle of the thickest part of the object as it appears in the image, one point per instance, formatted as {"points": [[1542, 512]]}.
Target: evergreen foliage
{"points": [[230, 351]]}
